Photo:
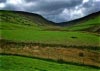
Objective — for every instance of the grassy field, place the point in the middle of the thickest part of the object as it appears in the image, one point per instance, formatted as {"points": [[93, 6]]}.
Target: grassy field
{"points": [[21, 26], [51, 37], [16, 63], [31, 28]]}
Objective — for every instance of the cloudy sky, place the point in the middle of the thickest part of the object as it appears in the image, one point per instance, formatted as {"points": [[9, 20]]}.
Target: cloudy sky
{"points": [[54, 10]]}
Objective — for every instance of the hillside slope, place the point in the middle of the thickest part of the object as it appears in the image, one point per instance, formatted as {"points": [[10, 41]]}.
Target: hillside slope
{"points": [[31, 35], [90, 23], [24, 20], [17, 26]]}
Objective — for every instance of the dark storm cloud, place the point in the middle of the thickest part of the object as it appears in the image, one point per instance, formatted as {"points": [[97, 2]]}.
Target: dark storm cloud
{"points": [[54, 10], [54, 5], [31, 0], [2, 1], [91, 6]]}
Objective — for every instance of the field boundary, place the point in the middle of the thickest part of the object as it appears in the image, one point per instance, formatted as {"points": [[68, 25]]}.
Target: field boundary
{"points": [[3, 41]]}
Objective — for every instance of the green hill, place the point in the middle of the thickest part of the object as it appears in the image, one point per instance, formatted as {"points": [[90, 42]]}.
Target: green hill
{"points": [[30, 34], [90, 23], [15, 25], [23, 20]]}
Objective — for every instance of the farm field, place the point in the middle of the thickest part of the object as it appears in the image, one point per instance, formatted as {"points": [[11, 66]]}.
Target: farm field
{"points": [[16, 63]]}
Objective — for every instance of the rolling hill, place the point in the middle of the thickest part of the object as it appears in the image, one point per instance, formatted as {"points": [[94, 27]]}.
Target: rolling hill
{"points": [[30, 34], [24, 20], [90, 23], [14, 25]]}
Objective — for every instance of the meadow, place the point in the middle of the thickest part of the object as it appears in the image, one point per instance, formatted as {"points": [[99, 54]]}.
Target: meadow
{"points": [[17, 63], [52, 37], [21, 30]]}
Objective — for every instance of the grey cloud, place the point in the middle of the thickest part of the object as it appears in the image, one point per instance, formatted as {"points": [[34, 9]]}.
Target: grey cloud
{"points": [[50, 5], [31, 0], [2, 1], [11, 7], [91, 6]]}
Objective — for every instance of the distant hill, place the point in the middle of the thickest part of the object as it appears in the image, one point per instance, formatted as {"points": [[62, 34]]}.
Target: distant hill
{"points": [[89, 23], [80, 20], [25, 20]]}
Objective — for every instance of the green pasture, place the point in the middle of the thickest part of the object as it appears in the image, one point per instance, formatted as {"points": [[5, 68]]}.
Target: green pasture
{"points": [[52, 37], [16, 63]]}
